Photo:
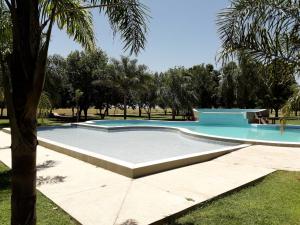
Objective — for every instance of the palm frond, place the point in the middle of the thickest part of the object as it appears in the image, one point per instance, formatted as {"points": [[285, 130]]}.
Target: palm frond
{"points": [[71, 17], [128, 18], [5, 30], [266, 29]]}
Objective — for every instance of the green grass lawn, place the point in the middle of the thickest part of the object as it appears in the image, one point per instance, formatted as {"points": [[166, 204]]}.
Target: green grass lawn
{"points": [[47, 212], [291, 122], [41, 122], [273, 201]]}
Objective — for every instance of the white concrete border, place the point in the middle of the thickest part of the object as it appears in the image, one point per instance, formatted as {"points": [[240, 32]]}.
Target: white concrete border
{"points": [[197, 134], [129, 169]]}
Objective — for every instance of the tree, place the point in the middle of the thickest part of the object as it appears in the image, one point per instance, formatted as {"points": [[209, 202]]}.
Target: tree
{"points": [[56, 80], [44, 106], [229, 85], [125, 77], [205, 83], [293, 103], [265, 29], [5, 49], [279, 79], [82, 69], [177, 91], [2, 101], [32, 23], [247, 81], [146, 93]]}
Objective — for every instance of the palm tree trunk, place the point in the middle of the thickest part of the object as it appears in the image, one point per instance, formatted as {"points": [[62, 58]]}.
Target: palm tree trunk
{"points": [[107, 110], [140, 111], [22, 111], [78, 112], [2, 108], [149, 114], [276, 112], [85, 111], [125, 107], [173, 113], [23, 197]]}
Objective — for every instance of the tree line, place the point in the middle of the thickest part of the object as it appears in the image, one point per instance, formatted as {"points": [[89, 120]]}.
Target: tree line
{"points": [[266, 30], [91, 79]]}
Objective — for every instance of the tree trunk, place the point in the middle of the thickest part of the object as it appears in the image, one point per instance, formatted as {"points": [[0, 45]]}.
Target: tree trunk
{"points": [[173, 113], [22, 101], [73, 112], [23, 87], [23, 197], [149, 114], [2, 108], [276, 112], [78, 112], [107, 110], [85, 111], [296, 113], [125, 107], [140, 111]]}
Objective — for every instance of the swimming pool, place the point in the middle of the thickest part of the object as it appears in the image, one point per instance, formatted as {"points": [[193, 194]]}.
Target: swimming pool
{"points": [[252, 133], [132, 152]]}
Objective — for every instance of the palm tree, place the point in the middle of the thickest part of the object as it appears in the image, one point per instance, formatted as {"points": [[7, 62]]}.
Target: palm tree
{"points": [[2, 101], [177, 91], [265, 29], [126, 78], [32, 22], [293, 103]]}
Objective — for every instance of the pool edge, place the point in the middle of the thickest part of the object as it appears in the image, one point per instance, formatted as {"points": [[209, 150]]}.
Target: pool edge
{"points": [[134, 170]]}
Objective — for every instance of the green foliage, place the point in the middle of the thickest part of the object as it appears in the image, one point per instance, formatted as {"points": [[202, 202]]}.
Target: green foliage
{"points": [[2, 94], [228, 87], [129, 18], [126, 77], [293, 103], [278, 79], [205, 83], [5, 31], [265, 29], [56, 84], [82, 69], [248, 82], [71, 17], [177, 90], [44, 106]]}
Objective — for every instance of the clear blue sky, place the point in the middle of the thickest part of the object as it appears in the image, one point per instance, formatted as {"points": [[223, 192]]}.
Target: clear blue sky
{"points": [[181, 33]]}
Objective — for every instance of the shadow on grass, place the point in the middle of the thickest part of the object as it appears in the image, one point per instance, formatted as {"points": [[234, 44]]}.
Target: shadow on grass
{"points": [[5, 179]]}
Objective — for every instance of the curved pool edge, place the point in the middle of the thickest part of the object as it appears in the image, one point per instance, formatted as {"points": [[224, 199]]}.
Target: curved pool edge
{"points": [[129, 169], [196, 135]]}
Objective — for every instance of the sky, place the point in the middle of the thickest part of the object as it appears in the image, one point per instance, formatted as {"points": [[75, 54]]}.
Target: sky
{"points": [[181, 33]]}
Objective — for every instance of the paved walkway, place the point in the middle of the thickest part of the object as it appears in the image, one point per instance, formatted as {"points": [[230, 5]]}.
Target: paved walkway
{"points": [[95, 196]]}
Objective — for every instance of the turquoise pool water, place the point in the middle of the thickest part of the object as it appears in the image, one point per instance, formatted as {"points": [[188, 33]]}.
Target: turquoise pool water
{"points": [[249, 132]]}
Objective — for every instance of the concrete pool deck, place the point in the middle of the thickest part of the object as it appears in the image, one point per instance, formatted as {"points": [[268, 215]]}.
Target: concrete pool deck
{"points": [[94, 196]]}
